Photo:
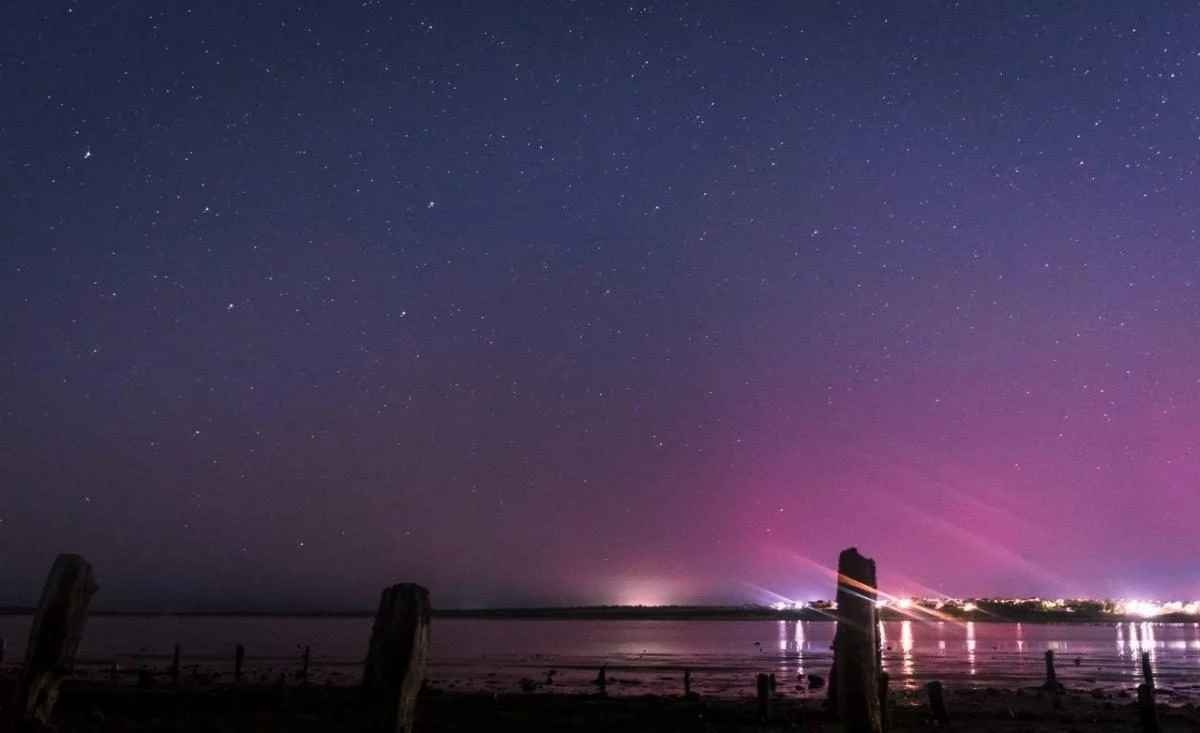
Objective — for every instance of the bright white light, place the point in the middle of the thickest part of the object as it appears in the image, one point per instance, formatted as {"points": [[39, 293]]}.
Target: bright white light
{"points": [[1142, 609]]}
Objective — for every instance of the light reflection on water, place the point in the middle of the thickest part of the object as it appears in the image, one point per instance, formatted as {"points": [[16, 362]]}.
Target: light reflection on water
{"points": [[649, 656], [971, 647], [906, 649]]}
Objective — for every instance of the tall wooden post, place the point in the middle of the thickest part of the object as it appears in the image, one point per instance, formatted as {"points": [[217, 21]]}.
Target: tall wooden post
{"points": [[937, 703], [856, 645], [884, 718], [175, 666], [1052, 684], [395, 667], [1147, 670], [239, 656], [762, 685], [54, 639], [1147, 712]]}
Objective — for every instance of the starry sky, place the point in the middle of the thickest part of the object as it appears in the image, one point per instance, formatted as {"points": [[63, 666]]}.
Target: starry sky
{"points": [[588, 302]]}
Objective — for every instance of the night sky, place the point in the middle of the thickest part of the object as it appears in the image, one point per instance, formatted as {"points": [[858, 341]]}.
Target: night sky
{"points": [[583, 302]]}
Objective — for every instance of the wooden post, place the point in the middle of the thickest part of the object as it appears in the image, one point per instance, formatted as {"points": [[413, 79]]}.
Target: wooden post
{"points": [[54, 639], [305, 663], [3, 646], [687, 683], [1052, 682], [1147, 713], [175, 666], [602, 681], [763, 685], [395, 667], [937, 703], [884, 722], [856, 646], [239, 656], [1147, 671]]}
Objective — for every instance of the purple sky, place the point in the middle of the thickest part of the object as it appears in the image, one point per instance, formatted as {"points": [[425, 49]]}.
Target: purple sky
{"points": [[593, 303]]}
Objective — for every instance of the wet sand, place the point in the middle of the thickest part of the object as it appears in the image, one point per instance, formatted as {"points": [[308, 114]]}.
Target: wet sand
{"points": [[102, 708]]}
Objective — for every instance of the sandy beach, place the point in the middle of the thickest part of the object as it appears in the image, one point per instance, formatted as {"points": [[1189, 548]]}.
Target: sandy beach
{"points": [[98, 707]]}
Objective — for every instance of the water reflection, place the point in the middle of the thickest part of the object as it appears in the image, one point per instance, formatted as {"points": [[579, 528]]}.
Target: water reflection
{"points": [[791, 648], [906, 648], [971, 647]]}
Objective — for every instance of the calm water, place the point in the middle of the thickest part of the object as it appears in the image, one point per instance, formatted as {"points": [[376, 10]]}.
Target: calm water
{"points": [[648, 656]]}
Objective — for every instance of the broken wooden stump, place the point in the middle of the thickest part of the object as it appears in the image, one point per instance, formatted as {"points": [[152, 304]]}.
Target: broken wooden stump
{"points": [[53, 639], [855, 687], [602, 681], [1147, 712], [937, 702], [399, 650], [762, 684]]}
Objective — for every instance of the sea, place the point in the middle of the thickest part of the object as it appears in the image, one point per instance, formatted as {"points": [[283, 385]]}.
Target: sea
{"points": [[722, 657]]}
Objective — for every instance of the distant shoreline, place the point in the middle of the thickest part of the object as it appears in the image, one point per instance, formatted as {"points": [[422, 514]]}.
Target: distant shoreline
{"points": [[657, 613]]}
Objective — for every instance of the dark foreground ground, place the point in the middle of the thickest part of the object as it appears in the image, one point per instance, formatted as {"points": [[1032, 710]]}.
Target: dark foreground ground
{"points": [[99, 708]]}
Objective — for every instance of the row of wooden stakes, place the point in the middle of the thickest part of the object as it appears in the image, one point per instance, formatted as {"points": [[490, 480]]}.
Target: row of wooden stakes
{"points": [[392, 676]]}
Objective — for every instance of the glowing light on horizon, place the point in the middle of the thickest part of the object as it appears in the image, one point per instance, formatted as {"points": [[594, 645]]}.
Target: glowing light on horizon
{"points": [[789, 605]]}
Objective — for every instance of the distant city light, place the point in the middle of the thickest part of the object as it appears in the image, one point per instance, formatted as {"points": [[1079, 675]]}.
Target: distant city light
{"points": [[1130, 608], [788, 605]]}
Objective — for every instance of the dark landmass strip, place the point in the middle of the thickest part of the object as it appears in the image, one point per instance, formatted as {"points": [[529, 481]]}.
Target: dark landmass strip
{"points": [[997, 612]]}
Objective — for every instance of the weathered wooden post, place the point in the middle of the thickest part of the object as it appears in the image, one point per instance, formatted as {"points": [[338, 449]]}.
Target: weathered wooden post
{"points": [[855, 689], [937, 702], [687, 683], [1147, 670], [395, 667], [884, 721], [763, 685], [1147, 712], [305, 663], [602, 681], [53, 639], [239, 656], [175, 666], [1052, 684]]}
